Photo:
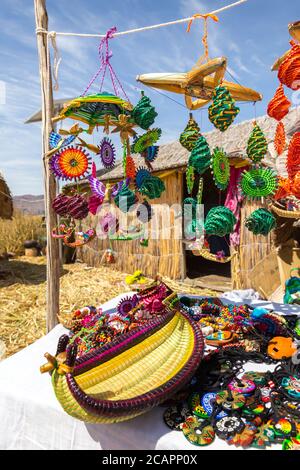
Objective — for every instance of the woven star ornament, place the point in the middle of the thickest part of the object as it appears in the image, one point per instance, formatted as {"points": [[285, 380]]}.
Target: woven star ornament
{"points": [[190, 135], [223, 111], [200, 156], [257, 145]]}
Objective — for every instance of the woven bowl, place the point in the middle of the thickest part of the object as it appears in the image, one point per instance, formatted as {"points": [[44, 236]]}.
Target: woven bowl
{"points": [[133, 373]]}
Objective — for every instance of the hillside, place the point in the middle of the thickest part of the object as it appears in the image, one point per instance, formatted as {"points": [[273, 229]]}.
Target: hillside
{"points": [[29, 204]]}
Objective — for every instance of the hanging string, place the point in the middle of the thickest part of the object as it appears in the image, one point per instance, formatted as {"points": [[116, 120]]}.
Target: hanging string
{"points": [[56, 59], [205, 56], [105, 55]]}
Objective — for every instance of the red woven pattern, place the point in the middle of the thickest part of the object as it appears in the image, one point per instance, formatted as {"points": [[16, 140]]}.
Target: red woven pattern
{"points": [[293, 158], [289, 70], [280, 139], [279, 105], [296, 185], [130, 167], [284, 188]]}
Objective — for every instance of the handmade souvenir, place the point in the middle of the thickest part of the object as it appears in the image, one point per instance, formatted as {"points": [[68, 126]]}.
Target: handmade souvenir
{"points": [[73, 162], [144, 113], [230, 401], [280, 139], [257, 145], [80, 238], [222, 111], [152, 187], [288, 72], [220, 168], [130, 169], [293, 157], [57, 142], [190, 135], [258, 182], [140, 175], [62, 231], [94, 203], [219, 221], [78, 207], [190, 178], [229, 426], [244, 386], [293, 443], [107, 153], [200, 156], [245, 438], [55, 168], [175, 416], [197, 432], [127, 304], [60, 205], [146, 140], [279, 105], [261, 222]]}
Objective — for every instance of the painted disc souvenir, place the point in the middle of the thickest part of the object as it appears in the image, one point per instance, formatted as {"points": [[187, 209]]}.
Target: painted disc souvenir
{"points": [[257, 377], [224, 399], [198, 432], [197, 407], [264, 437], [229, 426], [245, 438], [291, 444], [245, 387], [74, 162], [283, 427], [175, 416], [220, 168], [207, 401], [291, 385]]}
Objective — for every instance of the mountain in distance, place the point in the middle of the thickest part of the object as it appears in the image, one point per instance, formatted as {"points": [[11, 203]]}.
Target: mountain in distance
{"points": [[29, 204]]}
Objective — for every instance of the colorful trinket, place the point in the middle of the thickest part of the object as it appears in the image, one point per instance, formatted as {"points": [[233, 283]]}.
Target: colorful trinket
{"points": [[197, 432]]}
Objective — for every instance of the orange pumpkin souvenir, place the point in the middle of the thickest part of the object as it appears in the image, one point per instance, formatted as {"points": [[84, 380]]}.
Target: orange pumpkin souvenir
{"points": [[281, 347]]}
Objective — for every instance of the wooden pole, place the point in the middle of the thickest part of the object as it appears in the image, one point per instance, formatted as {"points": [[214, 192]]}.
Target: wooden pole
{"points": [[53, 263]]}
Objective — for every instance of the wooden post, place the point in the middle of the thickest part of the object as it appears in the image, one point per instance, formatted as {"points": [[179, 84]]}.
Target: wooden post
{"points": [[53, 264]]}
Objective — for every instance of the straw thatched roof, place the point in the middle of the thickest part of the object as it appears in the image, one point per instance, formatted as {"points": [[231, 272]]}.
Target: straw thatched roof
{"points": [[6, 202], [234, 142]]}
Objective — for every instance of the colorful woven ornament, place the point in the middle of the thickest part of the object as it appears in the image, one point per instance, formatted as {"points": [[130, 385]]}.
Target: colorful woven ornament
{"points": [[293, 157], [200, 156], [60, 205], [144, 212], [220, 168], [190, 179], [296, 185], [130, 167], [55, 168], [258, 182], [146, 140], [280, 139], [222, 111], [107, 153], [257, 145], [279, 105], [140, 175], [144, 113], [74, 162], [57, 142], [261, 222], [152, 187], [289, 70], [127, 304], [151, 153], [284, 188], [94, 203], [125, 199], [219, 221], [190, 135], [78, 207]]}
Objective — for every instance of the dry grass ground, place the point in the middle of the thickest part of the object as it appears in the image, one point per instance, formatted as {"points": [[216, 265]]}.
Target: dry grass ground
{"points": [[23, 302]]}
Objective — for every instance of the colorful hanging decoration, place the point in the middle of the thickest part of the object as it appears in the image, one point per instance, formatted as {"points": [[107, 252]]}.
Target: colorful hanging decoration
{"points": [[56, 142], [293, 157], [150, 154], [257, 145], [220, 168], [78, 207], [130, 167], [280, 139], [258, 182], [125, 199], [200, 157], [144, 113], [107, 153], [284, 188], [140, 175], [234, 201], [152, 187], [278, 108], [261, 222], [100, 189], [190, 135], [74, 162], [61, 205], [55, 168], [296, 186], [127, 304], [190, 179], [219, 221], [222, 111], [289, 69], [146, 140], [81, 238], [94, 203]]}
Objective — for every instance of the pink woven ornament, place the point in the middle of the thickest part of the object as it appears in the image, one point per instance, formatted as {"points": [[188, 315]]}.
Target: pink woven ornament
{"points": [[94, 203], [78, 207], [61, 205]]}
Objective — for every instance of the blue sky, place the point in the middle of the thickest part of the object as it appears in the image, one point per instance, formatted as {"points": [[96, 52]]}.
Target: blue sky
{"points": [[251, 36]]}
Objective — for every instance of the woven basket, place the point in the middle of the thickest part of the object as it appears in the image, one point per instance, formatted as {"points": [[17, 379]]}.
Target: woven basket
{"points": [[133, 373], [285, 213], [211, 257]]}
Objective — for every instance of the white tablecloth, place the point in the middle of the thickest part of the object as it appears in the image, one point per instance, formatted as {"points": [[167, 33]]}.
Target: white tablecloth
{"points": [[32, 418]]}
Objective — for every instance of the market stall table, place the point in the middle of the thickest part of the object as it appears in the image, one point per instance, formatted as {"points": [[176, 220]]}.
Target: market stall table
{"points": [[31, 417]]}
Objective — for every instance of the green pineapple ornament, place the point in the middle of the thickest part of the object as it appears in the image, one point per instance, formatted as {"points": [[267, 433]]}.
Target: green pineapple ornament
{"points": [[257, 145], [144, 113], [200, 157], [190, 135], [223, 111]]}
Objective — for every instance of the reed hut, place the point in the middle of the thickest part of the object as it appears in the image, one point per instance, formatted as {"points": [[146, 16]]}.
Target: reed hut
{"points": [[168, 256], [6, 201]]}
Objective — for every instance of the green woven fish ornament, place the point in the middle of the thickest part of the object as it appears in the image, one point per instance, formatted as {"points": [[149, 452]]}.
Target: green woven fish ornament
{"points": [[200, 156], [144, 113], [190, 135], [261, 222], [152, 187], [223, 111], [190, 179], [257, 145], [219, 221], [258, 182], [125, 199], [220, 168]]}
